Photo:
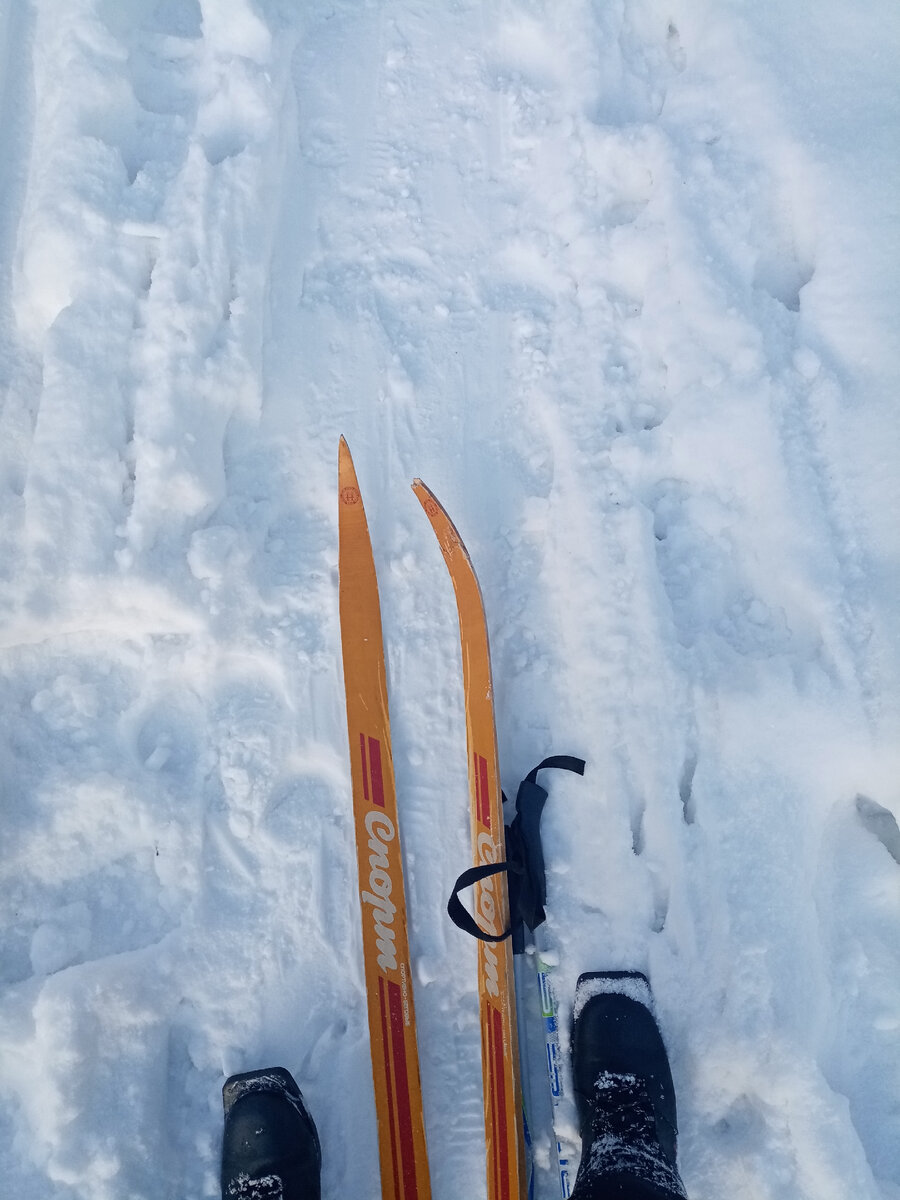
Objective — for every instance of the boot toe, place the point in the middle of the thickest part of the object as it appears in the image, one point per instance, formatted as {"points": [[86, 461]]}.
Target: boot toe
{"points": [[270, 1146]]}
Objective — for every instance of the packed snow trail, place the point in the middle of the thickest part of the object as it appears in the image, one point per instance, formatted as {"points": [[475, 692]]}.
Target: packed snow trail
{"points": [[618, 281]]}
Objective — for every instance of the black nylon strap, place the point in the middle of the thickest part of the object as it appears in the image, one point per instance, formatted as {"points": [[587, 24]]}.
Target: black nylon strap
{"points": [[460, 915], [563, 762], [528, 891], [525, 862]]}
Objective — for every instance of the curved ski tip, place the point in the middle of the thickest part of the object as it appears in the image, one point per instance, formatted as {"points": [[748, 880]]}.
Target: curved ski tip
{"points": [[422, 489], [347, 474]]}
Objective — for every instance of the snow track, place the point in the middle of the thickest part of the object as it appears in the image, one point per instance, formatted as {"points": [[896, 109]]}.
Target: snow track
{"points": [[618, 281]]}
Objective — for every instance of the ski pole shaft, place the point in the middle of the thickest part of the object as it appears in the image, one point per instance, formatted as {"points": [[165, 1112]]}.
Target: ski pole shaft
{"points": [[549, 1016]]}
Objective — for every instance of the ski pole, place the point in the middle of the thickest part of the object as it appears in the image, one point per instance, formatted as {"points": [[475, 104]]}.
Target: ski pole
{"points": [[550, 1021]]}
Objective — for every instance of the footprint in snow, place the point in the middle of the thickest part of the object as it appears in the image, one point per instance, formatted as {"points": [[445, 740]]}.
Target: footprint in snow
{"points": [[881, 823]]}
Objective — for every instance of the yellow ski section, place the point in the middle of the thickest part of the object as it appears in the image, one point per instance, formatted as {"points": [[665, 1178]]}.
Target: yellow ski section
{"points": [[392, 1021], [503, 1122]]}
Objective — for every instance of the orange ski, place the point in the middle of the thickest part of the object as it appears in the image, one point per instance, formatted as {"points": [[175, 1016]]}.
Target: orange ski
{"points": [[392, 1021], [503, 1122]]}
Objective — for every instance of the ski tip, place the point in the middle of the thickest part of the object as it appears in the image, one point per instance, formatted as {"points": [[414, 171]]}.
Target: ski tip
{"points": [[447, 533], [346, 469], [424, 495], [434, 510], [348, 484]]}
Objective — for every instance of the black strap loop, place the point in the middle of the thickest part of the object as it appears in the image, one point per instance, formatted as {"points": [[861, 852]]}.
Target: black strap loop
{"points": [[562, 762], [524, 862], [460, 915]]}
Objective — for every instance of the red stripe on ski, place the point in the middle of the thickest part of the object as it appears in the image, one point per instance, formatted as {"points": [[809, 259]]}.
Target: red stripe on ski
{"points": [[404, 1117], [377, 778], [479, 805], [365, 765], [483, 792], [386, 1047], [492, 1114], [500, 1082]]}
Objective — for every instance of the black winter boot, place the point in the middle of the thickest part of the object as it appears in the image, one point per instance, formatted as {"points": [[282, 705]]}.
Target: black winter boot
{"points": [[624, 1092], [270, 1150]]}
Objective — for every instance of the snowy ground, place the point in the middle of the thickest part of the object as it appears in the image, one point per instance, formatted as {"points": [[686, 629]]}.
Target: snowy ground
{"points": [[619, 281]]}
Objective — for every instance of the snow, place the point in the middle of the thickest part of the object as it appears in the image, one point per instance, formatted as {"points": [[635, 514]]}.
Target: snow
{"points": [[619, 282], [633, 986]]}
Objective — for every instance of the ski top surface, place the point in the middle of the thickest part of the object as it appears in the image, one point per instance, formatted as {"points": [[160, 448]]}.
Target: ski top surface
{"points": [[503, 1117], [389, 991]]}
